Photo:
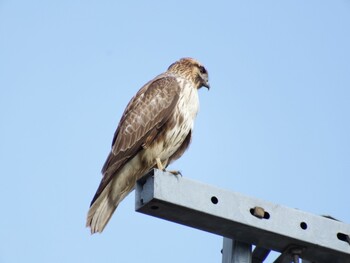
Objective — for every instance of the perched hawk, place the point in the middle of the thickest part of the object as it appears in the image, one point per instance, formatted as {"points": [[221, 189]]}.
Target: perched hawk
{"points": [[155, 130]]}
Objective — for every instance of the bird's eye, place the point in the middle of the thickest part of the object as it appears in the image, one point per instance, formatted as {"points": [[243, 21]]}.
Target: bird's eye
{"points": [[202, 70]]}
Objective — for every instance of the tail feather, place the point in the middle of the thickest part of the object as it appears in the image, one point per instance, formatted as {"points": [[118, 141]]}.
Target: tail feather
{"points": [[101, 211], [103, 207]]}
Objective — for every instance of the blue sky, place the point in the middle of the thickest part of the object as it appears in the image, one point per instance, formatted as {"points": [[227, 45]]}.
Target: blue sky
{"points": [[275, 124]]}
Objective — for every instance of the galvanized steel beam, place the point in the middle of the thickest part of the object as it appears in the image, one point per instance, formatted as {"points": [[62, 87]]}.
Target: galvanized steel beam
{"points": [[242, 218]]}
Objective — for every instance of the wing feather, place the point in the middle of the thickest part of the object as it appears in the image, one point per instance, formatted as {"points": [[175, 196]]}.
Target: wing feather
{"points": [[142, 119]]}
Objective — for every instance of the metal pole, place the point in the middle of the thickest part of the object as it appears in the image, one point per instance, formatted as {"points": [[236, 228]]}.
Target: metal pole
{"points": [[236, 252], [249, 220]]}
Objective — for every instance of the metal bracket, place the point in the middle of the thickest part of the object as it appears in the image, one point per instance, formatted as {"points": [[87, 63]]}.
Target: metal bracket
{"points": [[245, 219]]}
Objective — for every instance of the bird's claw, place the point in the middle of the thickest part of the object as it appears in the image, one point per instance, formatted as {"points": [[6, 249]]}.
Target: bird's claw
{"points": [[174, 172]]}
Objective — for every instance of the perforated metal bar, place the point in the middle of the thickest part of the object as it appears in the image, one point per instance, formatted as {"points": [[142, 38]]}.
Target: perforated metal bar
{"points": [[239, 217]]}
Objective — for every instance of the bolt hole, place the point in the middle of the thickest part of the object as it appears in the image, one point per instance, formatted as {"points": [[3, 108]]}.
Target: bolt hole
{"points": [[303, 225], [154, 207], [259, 212], [214, 200], [343, 237]]}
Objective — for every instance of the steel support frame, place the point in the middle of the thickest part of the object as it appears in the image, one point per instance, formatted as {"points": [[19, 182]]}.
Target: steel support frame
{"points": [[243, 220]]}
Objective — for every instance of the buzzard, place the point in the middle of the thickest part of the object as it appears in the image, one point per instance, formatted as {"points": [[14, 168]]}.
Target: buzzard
{"points": [[155, 129]]}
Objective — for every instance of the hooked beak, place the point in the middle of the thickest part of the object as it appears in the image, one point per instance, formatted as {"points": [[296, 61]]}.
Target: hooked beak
{"points": [[206, 85]]}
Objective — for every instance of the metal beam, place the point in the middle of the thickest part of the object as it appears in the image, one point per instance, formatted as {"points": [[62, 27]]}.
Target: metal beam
{"points": [[234, 251], [242, 218], [260, 254]]}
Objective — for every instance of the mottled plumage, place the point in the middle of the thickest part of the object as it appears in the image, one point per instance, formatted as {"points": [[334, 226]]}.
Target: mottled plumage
{"points": [[155, 129]]}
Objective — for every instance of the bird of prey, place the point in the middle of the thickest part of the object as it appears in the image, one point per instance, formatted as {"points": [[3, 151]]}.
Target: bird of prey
{"points": [[154, 130]]}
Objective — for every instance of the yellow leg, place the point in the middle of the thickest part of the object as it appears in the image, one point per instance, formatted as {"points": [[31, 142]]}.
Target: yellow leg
{"points": [[161, 167], [159, 164]]}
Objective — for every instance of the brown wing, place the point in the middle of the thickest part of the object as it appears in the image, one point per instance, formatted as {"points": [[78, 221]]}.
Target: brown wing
{"points": [[145, 114]]}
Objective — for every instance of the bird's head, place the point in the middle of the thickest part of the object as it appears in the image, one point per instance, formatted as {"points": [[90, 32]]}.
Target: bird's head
{"points": [[193, 70]]}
